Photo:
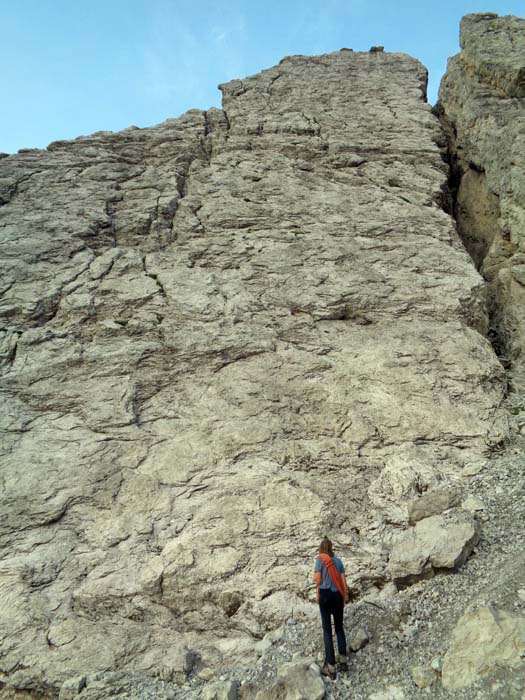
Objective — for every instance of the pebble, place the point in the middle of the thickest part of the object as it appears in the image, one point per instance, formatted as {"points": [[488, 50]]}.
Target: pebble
{"points": [[436, 664], [473, 504], [472, 469]]}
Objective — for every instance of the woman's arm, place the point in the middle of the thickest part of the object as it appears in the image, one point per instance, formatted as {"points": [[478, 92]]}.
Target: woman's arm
{"points": [[345, 586], [317, 581]]}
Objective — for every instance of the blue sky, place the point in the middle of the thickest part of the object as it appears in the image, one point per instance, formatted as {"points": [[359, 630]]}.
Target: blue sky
{"points": [[71, 67]]}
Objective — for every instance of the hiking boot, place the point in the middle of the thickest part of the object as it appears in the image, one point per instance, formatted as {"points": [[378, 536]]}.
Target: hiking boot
{"points": [[329, 671], [342, 664]]}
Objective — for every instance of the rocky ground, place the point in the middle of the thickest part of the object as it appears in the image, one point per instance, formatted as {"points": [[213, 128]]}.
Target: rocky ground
{"points": [[404, 635], [412, 628]]}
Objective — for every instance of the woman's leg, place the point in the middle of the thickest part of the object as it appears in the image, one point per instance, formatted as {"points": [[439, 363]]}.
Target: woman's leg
{"points": [[338, 610], [326, 619]]}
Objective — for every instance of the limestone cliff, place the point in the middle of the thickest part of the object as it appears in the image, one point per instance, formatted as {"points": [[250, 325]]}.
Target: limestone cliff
{"points": [[221, 338], [482, 99]]}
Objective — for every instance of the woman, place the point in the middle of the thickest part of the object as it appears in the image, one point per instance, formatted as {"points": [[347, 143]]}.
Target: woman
{"points": [[332, 591]]}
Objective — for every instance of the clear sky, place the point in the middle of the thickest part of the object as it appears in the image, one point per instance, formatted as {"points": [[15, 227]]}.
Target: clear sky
{"points": [[71, 67]]}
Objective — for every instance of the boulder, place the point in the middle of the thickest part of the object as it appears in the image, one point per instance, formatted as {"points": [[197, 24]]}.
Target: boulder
{"points": [[263, 646], [173, 664], [473, 504], [221, 690], [434, 543], [423, 676], [72, 687], [484, 640], [358, 639], [432, 503], [299, 679], [473, 468]]}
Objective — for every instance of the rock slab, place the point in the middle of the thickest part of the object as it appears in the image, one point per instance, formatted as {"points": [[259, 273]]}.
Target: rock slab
{"points": [[220, 336], [484, 640]]}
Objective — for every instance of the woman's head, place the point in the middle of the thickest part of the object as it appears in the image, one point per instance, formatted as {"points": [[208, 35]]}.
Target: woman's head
{"points": [[326, 547]]}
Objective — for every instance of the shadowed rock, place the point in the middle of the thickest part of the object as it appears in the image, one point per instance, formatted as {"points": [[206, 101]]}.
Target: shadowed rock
{"points": [[481, 100]]}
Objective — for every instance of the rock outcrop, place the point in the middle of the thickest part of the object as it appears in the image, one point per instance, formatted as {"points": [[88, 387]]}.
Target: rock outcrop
{"points": [[221, 338], [482, 101], [485, 639]]}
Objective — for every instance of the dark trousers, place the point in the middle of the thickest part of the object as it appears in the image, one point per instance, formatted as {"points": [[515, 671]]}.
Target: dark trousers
{"points": [[331, 603]]}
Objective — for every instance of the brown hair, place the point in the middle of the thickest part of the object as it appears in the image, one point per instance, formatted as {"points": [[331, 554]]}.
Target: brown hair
{"points": [[326, 547]]}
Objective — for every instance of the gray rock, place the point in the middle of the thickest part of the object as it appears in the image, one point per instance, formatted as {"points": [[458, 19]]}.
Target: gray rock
{"points": [[263, 646], [230, 602], [107, 685], [72, 687], [423, 677], [300, 680], [481, 101], [434, 543], [358, 639], [436, 664], [473, 504], [484, 640], [297, 680], [177, 662], [432, 503], [226, 690], [473, 469], [200, 319]]}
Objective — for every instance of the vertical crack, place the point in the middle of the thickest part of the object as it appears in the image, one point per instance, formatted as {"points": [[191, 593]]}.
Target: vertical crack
{"points": [[110, 213], [154, 277], [475, 211]]}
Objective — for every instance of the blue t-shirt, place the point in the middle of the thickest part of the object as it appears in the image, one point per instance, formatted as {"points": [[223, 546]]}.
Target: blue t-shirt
{"points": [[326, 581]]}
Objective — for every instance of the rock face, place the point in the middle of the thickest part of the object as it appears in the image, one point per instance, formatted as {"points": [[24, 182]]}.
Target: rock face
{"points": [[221, 338], [482, 98]]}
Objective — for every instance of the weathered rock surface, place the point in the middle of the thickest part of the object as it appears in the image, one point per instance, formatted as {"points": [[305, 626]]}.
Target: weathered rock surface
{"points": [[131, 686], [482, 98], [220, 691], [424, 677], [297, 680], [358, 639], [484, 640], [431, 503], [221, 338], [434, 543]]}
